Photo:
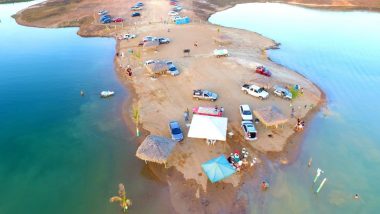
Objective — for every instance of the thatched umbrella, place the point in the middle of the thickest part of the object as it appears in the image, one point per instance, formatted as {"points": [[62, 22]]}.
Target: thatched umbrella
{"points": [[155, 149], [270, 116], [159, 67], [222, 39], [151, 45]]}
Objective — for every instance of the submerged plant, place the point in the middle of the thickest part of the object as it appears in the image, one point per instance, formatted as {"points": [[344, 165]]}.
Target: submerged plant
{"points": [[122, 199], [136, 118]]}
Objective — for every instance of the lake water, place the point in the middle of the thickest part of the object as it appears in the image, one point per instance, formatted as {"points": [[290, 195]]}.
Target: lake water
{"points": [[60, 152], [340, 52]]}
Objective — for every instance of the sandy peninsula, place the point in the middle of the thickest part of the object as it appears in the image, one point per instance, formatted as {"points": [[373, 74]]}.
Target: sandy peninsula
{"points": [[165, 98]]}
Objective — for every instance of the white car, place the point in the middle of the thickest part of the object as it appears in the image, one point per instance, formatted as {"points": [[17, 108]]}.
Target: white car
{"points": [[173, 13], [249, 130], [148, 62], [102, 12], [129, 36], [245, 112], [174, 18]]}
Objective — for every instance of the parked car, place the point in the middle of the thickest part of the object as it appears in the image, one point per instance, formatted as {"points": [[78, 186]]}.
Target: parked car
{"points": [[249, 130], [282, 92], [139, 4], [220, 52], [201, 94], [104, 17], [255, 91], [173, 13], [245, 112], [150, 62], [263, 71], [106, 21], [208, 111], [149, 38], [177, 8], [163, 40], [172, 69], [136, 14], [174, 18], [174, 3], [102, 12], [129, 36], [118, 19], [136, 8], [175, 131]]}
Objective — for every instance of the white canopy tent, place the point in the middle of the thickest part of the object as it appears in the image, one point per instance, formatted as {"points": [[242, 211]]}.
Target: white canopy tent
{"points": [[208, 127]]}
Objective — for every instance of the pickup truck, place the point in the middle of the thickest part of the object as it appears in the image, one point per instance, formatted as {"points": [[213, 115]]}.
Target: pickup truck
{"points": [[255, 91], [201, 94]]}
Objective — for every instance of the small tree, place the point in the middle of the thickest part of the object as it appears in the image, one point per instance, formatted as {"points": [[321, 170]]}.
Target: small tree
{"points": [[122, 199]]}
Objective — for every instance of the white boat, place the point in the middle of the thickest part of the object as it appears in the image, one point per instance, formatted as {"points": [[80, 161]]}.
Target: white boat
{"points": [[104, 94]]}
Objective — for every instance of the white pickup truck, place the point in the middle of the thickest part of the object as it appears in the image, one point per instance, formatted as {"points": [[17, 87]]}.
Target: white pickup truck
{"points": [[255, 91]]}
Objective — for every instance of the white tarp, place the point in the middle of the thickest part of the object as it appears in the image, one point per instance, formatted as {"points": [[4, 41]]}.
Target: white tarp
{"points": [[208, 127]]}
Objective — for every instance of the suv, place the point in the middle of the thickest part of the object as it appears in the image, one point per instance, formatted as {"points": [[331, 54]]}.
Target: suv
{"points": [[249, 130]]}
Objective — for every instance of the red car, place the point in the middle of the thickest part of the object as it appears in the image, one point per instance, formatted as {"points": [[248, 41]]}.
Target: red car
{"points": [[209, 111], [118, 20], [263, 71], [173, 3]]}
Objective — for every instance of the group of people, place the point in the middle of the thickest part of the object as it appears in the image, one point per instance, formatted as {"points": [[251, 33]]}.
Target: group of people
{"points": [[300, 125], [221, 109], [129, 70], [239, 160]]}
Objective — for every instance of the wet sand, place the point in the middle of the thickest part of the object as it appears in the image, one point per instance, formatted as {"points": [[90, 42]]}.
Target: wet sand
{"points": [[165, 98]]}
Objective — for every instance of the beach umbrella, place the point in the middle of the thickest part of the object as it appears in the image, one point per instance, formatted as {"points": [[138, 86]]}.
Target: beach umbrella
{"points": [[218, 168]]}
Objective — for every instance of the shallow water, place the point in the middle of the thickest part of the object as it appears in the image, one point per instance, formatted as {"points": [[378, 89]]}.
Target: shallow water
{"points": [[340, 52], [60, 152]]}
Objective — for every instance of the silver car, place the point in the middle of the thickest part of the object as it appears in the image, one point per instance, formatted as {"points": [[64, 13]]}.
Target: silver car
{"points": [[249, 130], [282, 92]]}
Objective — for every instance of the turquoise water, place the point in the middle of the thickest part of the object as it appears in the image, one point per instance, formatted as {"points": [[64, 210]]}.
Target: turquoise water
{"points": [[340, 52], [60, 152]]}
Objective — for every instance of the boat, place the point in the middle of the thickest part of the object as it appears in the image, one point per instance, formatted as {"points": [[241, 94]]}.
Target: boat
{"points": [[105, 94]]}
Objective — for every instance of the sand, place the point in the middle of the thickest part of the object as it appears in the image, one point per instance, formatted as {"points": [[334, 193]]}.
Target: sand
{"points": [[165, 98]]}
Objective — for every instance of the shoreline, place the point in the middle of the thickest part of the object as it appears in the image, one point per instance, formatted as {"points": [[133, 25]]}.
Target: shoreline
{"points": [[133, 97], [205, 15]]}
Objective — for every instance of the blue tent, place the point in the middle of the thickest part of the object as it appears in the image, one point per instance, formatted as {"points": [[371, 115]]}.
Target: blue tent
{"points": [[183, 20], [218, 168]]}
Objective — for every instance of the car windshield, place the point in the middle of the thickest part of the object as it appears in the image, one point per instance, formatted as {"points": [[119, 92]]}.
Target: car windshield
{"points": [[172, 68], [260, 90], [176, 131], [247, 112]]}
